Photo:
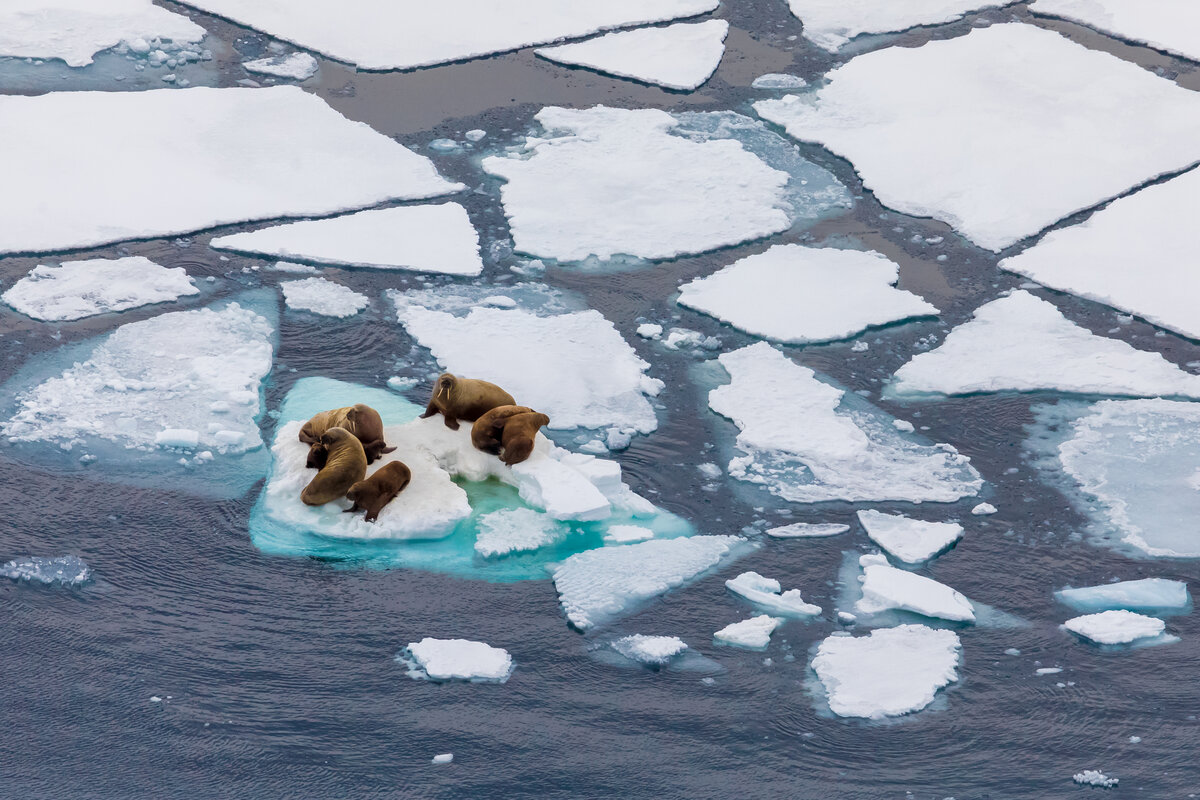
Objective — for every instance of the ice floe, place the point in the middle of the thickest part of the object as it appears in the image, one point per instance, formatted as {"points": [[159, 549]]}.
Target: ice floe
{"points": [[1066, 127], [678, 56], [1023, 343], [778, 80], [1162, 24], [886, 588], [597, 585], [751, 634], [457, 659], [888, 672], [627, 534], [1116, 627], [983, 510], [767, 594], [649, 650], [424, 238], [442, 758], [797, 294], [913, 541], [78, 289], [65, 570], [808, 441], [322, 297], [518, 530], [296, 66], [1094, 777], [807, 530], [233, 155], [831, 23], [1149, 595]]}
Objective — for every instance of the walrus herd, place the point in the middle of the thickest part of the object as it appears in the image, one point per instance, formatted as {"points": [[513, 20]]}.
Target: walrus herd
{"points": [[343, 441]]}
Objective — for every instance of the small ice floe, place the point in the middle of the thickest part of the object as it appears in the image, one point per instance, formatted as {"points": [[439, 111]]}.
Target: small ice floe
{"points": [[445, 146], [1094, 777], [399, 384], [516, 530], [323, 297], [888, 672], [78, 289], [988, 89], [1171, 27], [679, 56], [456, 659], [1041, 671], [475, 135], [913, 541], [1023, 343], [885, 588], [750, 634], [649, 650], [685, 338], [807, 530], [1119, 627], [766, 593], [1148, 595], [442, 758], [422, 238], [649, 330], [983, 510], [178, 438], [797, 294], [778, 80], [290, 267], [627, 534], [830, 24], [64, 570], [293, 67]]}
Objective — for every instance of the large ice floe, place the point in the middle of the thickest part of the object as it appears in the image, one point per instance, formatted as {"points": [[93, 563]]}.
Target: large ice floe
{"points": [[456, 660], [1120, 627], [886, 588], [889, 672], [322, 297], [1021, 343], [807, 441], [1137, 255], [1162, 24], [464, 511], [1065, 128], [911, 541], [749, 634], [424, 238], [797, 294], [831, 23], [678, 57], [75, 30], [402, 34], [62, 570], [767, 594], [233, 154], [604, 183], [174, 398], [77, 289], [1147, 595]]}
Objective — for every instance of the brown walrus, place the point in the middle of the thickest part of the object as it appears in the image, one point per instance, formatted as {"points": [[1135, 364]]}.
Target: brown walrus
{"points": [[345, 465], [464, 398], [375, 492], [361, 420], [517, 438], [317, 456], [485, 433]]}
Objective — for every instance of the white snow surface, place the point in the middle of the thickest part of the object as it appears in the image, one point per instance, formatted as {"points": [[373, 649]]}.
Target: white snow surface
{"points": [[65, 570], [78, 289], [678, 56], [913, 541], [797, 294], [886, 588], [1094, 777], [597, 585], [652, 650], [216, 156], [295, 66], [1023, 343], [75, 30], [767, 594], [807, 530], [1162, 24], [516, 530], [606, 181], [324, 297], [402, 34], [1065, 128], [423, 238], [1146, 594], [805, 446], [1116, 627], [458, 659], [1136, 255], [831, 23], [627, 534], [889, 672], [752, 634]]}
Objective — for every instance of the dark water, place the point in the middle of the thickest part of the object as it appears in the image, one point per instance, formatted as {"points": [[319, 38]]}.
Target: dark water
{"points": [[277, 674]]}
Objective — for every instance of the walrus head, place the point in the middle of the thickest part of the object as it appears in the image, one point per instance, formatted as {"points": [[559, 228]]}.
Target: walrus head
{"points": [[318, 454], [445, 385]]}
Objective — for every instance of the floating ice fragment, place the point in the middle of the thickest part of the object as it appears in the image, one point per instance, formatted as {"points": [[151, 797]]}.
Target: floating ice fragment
{"points": [[831, 23], [627, 534], [1161, 24], [1047, 671], [323, 297], [443, 758], [517, 530], [912, 541], [778, 80], [289, 266], [456, 659], [1116, 627], [649, 650], [649, 330], [475, 135], [1151, 595], [751, 634], [807, 530], [296, 67], [886, 588], [1094, 777], [983, 510], [766, 594], [78, 289], [65, 570], [178, 437]]}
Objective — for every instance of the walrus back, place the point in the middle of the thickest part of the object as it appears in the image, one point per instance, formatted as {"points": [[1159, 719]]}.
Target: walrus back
{"points": [[345, 465]]}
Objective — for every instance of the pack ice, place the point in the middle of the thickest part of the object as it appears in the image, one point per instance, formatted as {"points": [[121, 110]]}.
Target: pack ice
{"points": [[1135, 255], [885, 588], [1148, 595], [888, 672], [750, 634], [1117, 627], [75, 30], [234, 154], [831, 23], [767, 594], [839, 448], [678, 56], [1065, 127], [1162, 24], [913, 541], [77, 289], [1023, 343], [457, 659], [797, 294], [424, 238]]}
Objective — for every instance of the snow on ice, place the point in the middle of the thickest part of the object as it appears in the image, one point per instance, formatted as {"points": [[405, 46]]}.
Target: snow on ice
{"points": [[517, 530], [78, 289], [913, 541], [296, 66], [807, 530], [766, 593], [649, 650], [1094, 777], [751, 634], [322, 297], [1116, 627], [1161, 24], [831, 23], [457, 659]]}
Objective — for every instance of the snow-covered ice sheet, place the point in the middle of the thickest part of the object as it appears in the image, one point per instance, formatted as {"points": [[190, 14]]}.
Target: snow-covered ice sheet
{"points": [[831, 23], [322, 297], [1147, 595], [457, 659], [751, 634], [889, 672], [678, 56], [797, 294], [1165, 25], [295, 66], [402, 34], [78, 289], [230, 155], [767, 594], [912, 541], [424, 238], [1117, 627], [517, 530], [1064, 127], [1137, 255], [65, 570], [886, 588], [808, 441], [649, 650], [1022, 343]]}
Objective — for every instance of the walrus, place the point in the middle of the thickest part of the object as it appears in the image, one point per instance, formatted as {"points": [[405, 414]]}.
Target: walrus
{"points": [[517, 438], [485, 433], [317, 456], [375, 492], [361, 420], [345, 465], [464, 398]]}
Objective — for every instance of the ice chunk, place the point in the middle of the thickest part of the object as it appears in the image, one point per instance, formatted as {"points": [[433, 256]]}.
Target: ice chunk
{"points": [[1161, 24], [832, 23], [1152, 595], [766, 594], [1116, 627], [649, 650], [323, 297], [597, 585], [236, 154], [888, 672], [751, 634], [1094, 777], [516, 530], [78, 289], [296, 66], [798, 294], [983, 510], [778, 80], [912, 541], [178, 437], [424, 238], [627, 534], [65, 570], [649, 330], [803, 530], [1068, 127], [677, 56], [1023, 343], [385, 34], [457, 659], [442, 758], [843, 450], [886, 588]]}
